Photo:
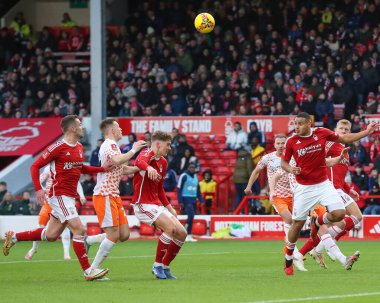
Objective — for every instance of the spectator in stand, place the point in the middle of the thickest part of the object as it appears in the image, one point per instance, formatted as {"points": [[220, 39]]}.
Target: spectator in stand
{"points": [[324, 111], [242, 172], [255, 132], [186, 160], [94, 159], [175, 136], [360, 178], [21, 29], [132, 138], [188, 192], [373, 204], [170, 182], [76, 40], [126, 186], [373, 178], [88, 185], [66, 21], [257, 151], [208, 185], [237, 139], [23, 206], [3, 190], [358, 154], [6, 205], [182, 146]]}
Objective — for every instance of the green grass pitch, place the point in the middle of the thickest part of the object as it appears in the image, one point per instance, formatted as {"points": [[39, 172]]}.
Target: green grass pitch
{"points": [[207, 271]]}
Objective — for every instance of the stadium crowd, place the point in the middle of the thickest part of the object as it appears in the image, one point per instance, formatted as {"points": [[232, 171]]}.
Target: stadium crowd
{"points": [[263, 58]]}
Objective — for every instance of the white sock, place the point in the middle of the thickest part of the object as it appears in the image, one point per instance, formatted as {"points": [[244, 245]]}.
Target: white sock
{"points": [[334, 231], [35, 245], [331, 246], [319, 248], [95, 239], [103, 252], [65, 236], [157, 264]]}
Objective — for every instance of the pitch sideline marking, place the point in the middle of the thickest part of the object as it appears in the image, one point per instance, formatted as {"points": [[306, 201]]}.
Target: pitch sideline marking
{"points": [[319, 298], [123, 257]]}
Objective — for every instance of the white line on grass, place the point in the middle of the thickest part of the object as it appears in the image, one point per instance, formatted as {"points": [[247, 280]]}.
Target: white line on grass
{"points": [[122, 257], [319, 298]]}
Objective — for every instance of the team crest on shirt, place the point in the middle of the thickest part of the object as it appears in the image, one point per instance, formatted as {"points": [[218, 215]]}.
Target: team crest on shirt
{"points": [[315, 137], [114, 146], [160, 168], [80, 154]]}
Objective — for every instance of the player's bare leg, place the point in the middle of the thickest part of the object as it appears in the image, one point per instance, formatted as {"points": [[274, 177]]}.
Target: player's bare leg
{"points": [[78, 231], [169, 244]]}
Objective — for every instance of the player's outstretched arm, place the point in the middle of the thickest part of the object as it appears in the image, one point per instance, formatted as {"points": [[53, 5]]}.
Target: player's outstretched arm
{"points": [[255, 174], [124, 158], [334, 161], [130, 170], [351, 137]]}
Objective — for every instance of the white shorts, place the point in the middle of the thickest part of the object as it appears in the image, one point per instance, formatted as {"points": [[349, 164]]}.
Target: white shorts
{"points": [[347, 200], [63, 208], [306, 197], [148, 213]]}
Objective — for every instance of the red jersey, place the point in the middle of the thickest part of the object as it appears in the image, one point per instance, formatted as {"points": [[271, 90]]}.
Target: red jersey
{"points": [[337, 173], [66, 166], [309, 154], [145, 190]]}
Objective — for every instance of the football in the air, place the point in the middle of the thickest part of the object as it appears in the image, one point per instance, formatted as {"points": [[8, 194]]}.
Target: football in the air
{"points": [[204, 23]]}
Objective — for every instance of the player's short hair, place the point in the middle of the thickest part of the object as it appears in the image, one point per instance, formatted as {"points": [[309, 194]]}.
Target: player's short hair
{"points": [[67, 121], [161, 136], [280, 136], [345, 122], [304, 115], [105, 124]]}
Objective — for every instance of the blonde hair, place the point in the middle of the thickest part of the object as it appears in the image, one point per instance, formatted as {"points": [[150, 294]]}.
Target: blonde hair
{"points": [[280, 136], [161, 136], [344, 121]]}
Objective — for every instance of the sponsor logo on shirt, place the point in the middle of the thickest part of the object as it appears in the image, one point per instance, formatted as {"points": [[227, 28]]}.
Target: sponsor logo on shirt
{"points": [[70, 165], [309, 149]]}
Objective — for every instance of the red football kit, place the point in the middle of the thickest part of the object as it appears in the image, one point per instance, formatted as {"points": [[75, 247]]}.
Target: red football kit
{"points": [[145, 190], [66, 166], [309, 154], [337, 173]]}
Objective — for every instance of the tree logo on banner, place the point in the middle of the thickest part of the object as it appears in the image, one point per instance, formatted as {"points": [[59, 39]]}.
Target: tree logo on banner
{"points": [[13, 138]]}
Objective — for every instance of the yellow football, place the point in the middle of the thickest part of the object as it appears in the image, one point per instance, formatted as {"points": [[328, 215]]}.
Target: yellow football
{"points": [[204, 23]]}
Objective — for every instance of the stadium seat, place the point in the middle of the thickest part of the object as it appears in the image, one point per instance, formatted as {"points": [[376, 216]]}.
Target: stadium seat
{"points": [[222, 170], [146, 230], [199, 227], [219, 139], [211, 155], [86, 211], [190, 140], [203, 139], [217, 162], [206, 147], [93, 228], [228, 154]]}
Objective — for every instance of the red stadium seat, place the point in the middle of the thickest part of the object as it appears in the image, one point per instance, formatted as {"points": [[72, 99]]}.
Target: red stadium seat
{"points": [[228, 154], [206, 147], [146, 230], [217, 162], [93, 229], [218, 139], [86, 211], [199, 227], [190, 140], [211, 155], [203, 139], [222, 170]]}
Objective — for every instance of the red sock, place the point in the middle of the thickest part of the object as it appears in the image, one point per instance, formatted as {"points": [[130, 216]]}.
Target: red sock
{"points": [[162, 247], [30, 235], [172, 252], [80, 251], [320, 220], [340, 235], [349, 223], [308, 246]]}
